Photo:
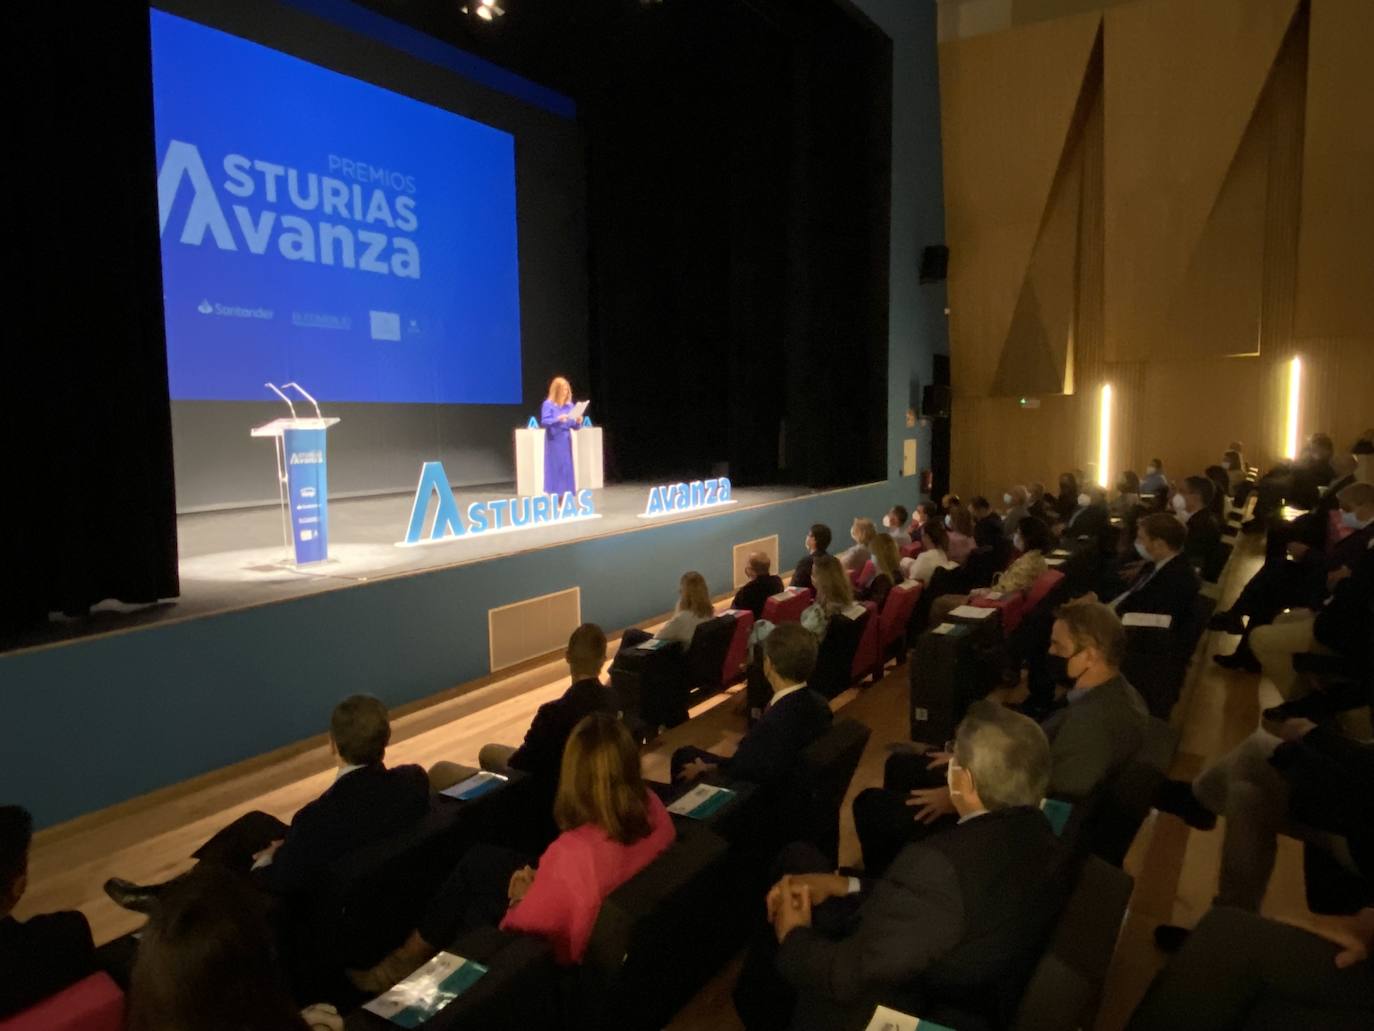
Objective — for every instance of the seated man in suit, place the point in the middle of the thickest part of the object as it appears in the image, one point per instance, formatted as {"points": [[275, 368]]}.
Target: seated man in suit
{"points": [[1165, 581], [955, 921], [365, 803], [1093, 732], [1091, 518], [816, 543], [41, 955], [1193, 505], [541, 753], [795, 716], [1297, 579], [987, 524], [762, 585]]}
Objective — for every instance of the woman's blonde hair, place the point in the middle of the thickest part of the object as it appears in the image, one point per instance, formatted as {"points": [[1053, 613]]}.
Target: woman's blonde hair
{"points": [[834, 589], [863, 531], [600, 782], [885, 555], [694, 596], [560, 390]]}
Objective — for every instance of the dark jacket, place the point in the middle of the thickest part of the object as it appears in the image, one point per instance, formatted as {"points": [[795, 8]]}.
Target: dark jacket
{"points": [[801, 576], [1169, 590], [41, 956], [1094, 736], [769, 751], [541, 754], [1343, 624], [957, 919], [987, 532], [877, 590], [1093, 522], [359, 808], [1204, 538], [756, 592], [1041, 510]]}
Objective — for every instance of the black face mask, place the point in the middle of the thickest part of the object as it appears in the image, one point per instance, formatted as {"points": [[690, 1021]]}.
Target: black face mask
{"points": [[1058, 669]]}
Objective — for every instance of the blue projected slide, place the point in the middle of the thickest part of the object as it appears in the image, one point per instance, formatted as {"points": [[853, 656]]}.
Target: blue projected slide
{"points": [[320, 229]]}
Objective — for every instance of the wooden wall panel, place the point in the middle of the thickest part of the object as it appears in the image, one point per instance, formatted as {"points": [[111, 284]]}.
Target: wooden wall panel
{"points": [[1006, 101], [1336, 252], [1182, 81]]}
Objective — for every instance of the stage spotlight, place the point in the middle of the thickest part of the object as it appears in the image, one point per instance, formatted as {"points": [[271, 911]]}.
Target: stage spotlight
{"points": [[487, 10]]}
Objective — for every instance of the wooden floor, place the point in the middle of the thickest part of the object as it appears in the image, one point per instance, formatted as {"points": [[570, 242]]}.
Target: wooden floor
{"points": [[1175, 868]]}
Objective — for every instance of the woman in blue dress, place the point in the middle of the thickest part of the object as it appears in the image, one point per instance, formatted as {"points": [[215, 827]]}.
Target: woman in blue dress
{"points": [[556, 417]]}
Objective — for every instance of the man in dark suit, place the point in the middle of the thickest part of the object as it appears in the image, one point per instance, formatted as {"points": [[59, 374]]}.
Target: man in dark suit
{"points": [[41, 955], [1091, 519], [1193, 504], [987, 524], [762, 585], [816, 543], [795, 717], [1036, 504], [956, 921], [1165, 582], [367, 802], [1093, 732]]}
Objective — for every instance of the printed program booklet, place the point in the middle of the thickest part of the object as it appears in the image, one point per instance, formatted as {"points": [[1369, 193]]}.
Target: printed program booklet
{"points": [[425, 992], [702, 801], [475, 786]]}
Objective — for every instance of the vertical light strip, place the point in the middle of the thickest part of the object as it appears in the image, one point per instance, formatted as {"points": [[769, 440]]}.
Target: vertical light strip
{"points": [[1104, 437], [1290, 438]]}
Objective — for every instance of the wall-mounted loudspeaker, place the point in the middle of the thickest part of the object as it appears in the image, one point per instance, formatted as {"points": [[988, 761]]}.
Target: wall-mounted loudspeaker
{"points": [[935, 401], [934, 263]]}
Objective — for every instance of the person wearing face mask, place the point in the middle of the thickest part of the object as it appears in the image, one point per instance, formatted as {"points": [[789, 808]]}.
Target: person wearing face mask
{"points": [[1154, 478], [1098, 728], [816, 543], [1091, 519], [894, 524], [1191, 503], [1165, 582], [1301, 579], [987, 524], [1031, 540], [976, 900]]}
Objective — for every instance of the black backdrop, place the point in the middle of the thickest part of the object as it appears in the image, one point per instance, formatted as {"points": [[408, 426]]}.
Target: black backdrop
{"points": [[739, 156], [88, 494]]}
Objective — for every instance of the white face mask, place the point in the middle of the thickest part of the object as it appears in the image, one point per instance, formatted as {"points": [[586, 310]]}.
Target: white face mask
{"points": [[1084, 501], [1006, 499], [949, 522], [1018, 542], [1143, 552], [950, 767], [1179, 502], [1353, 521]]}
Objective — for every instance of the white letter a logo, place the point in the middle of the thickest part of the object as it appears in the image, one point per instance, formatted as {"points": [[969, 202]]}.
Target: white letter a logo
{"points": [[183, 159]]}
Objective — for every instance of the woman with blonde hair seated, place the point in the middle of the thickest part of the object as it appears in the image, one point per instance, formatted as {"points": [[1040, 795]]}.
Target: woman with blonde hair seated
{"points": [[612, 827], [1032, 539], [854, 559], [834, 596], [693, 608], [887, 563]]}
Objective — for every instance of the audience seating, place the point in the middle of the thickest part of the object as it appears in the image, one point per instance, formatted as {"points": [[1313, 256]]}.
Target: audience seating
{"points": [[835, 659], [705, 662], [1044, 584], [732, 671], [518, 990], [894, 619], [1011, 605], [656, 683], [811, 802], [788, 605], [868, 660], [656, 940], [1066, 987], [94, 1003], [1157, 659], [911, 550]]}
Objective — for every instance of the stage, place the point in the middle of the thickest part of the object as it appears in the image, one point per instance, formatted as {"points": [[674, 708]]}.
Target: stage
{"points": [[235, 558]]}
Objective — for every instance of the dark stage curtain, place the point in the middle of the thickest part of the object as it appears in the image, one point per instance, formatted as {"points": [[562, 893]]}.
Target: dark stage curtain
{"points": [[89, 501]]}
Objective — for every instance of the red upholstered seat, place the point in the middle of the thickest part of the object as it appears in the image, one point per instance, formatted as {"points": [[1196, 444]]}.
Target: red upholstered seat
{"points": [[1046, 582], [896, 613], [787, 606], [92, 1004], [911, 550], [868, 656], [1012, 606], [738, 654]]}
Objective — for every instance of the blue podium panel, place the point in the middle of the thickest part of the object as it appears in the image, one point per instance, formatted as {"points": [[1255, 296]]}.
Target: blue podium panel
{"points": [[307, 491]]}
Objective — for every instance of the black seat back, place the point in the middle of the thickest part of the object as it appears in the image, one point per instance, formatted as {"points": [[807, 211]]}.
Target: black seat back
{"points": [[652, 946], [835, 659], [810, 804], [706, 657], [1066, 986]]}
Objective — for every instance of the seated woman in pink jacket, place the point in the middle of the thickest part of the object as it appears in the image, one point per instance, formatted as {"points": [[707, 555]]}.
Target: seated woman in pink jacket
{"points": [[613, 827]]}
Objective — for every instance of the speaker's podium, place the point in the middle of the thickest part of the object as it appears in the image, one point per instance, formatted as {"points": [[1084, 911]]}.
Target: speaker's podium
{"points": [[302, 483], [529, 459]]}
